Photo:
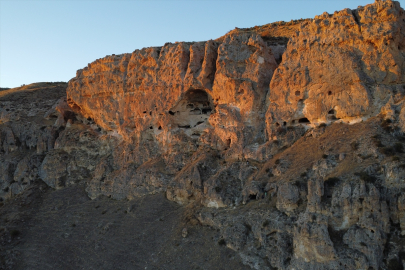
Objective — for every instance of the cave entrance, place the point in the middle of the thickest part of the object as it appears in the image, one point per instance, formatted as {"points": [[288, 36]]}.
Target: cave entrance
{"points": [[192, 112]]}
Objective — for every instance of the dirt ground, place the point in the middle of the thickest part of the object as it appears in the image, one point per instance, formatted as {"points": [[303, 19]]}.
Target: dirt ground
{"points": [[63, 229]]}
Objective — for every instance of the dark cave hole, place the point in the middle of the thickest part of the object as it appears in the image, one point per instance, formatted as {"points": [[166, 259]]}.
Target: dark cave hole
{"points": [[159, 128], [332, 111], [297, 93], [185, 126], [206, 110], [284, 123], [195, 95], [222, 242], [329, 93], [69, 115], [303, 120], [195, 103], [150, 127], [252, 197]]}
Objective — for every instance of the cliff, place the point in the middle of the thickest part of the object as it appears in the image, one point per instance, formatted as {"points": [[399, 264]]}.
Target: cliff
{"points": [[287, 139]]}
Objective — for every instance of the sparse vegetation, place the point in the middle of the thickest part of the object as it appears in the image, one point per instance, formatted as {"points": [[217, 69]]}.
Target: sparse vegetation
{"points": [[399, 147], [222, 242], [366, 177], [355, 146], [332, 181], [388, 151], [386, 125], [15, 233], [395, 158]]}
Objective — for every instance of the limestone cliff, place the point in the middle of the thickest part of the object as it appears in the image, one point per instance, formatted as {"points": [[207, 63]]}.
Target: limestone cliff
{"points": [[287, 139]]}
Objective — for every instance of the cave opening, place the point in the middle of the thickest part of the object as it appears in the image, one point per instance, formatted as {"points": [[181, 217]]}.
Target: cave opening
{"points": [[252, 197], [303, 120], [332, 115], [192, 111]]}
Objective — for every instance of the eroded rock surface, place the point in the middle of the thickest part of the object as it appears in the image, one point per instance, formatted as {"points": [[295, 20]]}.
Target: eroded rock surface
{"points": [[287, 139]]}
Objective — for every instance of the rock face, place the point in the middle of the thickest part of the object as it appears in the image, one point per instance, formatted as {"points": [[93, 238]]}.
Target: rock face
{"points": [[168, 105], [286, 138], [342, 66]]}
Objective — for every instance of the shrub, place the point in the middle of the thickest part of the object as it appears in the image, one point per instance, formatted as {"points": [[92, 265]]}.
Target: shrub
{"points": [[222, 242], [399, 147], [386, 125], [332, 181], [15, 233], [388, 151], [355, 146], [366, 177]]}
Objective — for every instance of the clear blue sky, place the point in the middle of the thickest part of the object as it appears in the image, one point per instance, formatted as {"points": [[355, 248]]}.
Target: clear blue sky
{"points": [[49, 40]]}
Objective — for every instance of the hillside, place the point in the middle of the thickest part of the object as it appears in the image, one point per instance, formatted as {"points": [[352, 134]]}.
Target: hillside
{"points": [[274, 147]]}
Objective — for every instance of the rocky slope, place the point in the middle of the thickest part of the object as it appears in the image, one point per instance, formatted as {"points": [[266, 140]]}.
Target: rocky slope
{"points": [[286, 139]]}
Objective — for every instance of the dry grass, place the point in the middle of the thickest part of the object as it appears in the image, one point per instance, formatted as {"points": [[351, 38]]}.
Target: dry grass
{"points": [[336, 139], [277, 32]]}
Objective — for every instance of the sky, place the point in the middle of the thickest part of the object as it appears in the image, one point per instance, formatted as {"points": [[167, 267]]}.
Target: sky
{"points": [[48, 40]]}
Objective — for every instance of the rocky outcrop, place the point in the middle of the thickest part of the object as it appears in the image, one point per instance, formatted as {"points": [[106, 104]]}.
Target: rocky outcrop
{"points": [[217, 123], [171, 103], [344, 66], [25, 134], [176, 102], [286, 138]]}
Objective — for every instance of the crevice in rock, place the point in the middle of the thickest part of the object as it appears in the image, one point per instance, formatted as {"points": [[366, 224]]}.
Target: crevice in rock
{"points": [[356, 17], [192, 111], [304, 121]]}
